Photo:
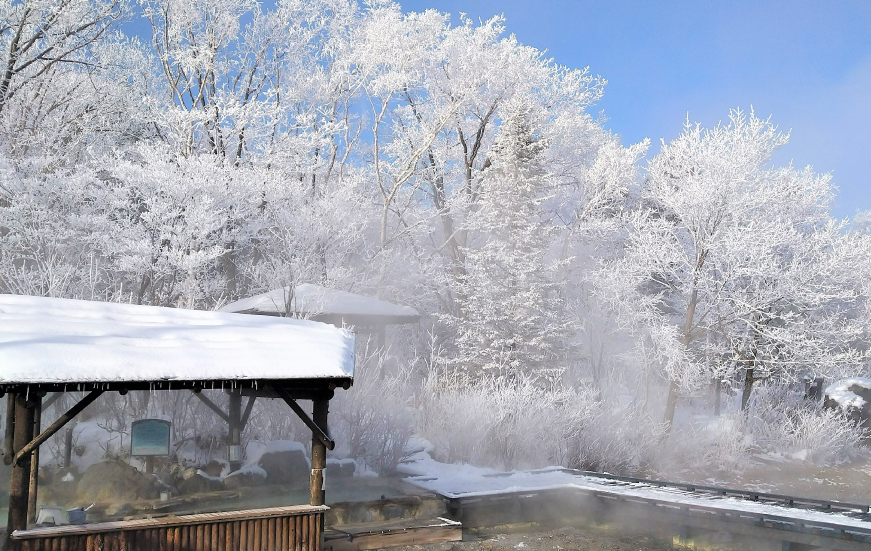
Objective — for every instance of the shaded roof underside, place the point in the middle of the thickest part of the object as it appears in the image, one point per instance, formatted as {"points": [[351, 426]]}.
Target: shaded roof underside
{"points": [[328, 305], [67, 343]]}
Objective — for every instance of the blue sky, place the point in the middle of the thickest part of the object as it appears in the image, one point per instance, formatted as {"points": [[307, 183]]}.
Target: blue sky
{"points": [[805, 63]]}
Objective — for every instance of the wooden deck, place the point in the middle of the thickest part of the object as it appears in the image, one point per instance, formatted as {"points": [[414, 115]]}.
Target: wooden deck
{"points": [[295, 528]]}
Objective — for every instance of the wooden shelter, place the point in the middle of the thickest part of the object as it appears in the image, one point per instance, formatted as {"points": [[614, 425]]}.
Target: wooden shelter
{"points": [[360, 313], [61, 345]]}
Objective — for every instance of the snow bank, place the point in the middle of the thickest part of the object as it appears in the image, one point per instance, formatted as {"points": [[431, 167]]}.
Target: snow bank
{"points": [[277, 446], [840, 392], [207, 476], [52, 340], [255, 451], [249, 469], [421, 464]]}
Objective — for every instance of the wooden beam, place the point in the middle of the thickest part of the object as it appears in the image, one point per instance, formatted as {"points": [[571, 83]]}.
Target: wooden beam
{"points": [[211, 405], [318, 432], [23, 453]]}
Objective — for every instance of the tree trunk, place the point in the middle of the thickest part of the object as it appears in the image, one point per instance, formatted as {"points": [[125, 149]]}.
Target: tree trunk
{"points": [[718, 385], [748, 388], [228, 260], [671, 403]]}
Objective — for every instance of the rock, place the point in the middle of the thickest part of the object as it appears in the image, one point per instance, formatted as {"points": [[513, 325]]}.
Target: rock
{"points": [[120, 510], [58, 485], [392, 511], [198, 482], [214, 468], [341, 468], [285, 463], [115, 480], [853, 397], [245, 478]]}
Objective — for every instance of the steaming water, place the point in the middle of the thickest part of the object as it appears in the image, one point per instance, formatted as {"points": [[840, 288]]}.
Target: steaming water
{"points": [[849, 483]]}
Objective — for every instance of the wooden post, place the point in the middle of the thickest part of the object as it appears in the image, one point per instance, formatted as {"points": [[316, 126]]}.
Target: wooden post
{"points": [[234, 412], [320, 408], [19, 481], [8, 450], [23, 454], [68, 447], [34, 462]]}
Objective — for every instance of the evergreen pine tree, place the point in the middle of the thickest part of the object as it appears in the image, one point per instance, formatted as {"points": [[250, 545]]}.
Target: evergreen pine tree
{"points": [[512, 318]]}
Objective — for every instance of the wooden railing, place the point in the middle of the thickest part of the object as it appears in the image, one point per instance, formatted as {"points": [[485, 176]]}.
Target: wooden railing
{"points": [[296, 528]]}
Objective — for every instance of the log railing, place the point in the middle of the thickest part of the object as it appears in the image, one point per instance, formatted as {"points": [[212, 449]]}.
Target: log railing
{"points": [[296, 528]]}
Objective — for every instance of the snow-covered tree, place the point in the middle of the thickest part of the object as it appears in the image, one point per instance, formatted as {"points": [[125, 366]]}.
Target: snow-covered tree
{"points": [[512, 319], [727, 261], [38, 35]]}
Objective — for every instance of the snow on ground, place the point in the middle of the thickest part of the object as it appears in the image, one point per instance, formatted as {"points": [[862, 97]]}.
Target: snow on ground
{"points": [[249, 469], [207, 476], [50, 340], [453, 476], [455, 481], [840, 392]]}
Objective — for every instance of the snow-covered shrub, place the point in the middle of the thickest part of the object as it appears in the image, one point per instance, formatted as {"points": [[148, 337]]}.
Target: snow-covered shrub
{"points": [[373, 417], [523, 423], [490, 420], [715, 443], [781, 421], [825, 436], [615, 438]]}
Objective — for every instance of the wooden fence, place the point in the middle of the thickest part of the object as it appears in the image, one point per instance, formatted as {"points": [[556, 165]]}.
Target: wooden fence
{"points": [[296, 528]]}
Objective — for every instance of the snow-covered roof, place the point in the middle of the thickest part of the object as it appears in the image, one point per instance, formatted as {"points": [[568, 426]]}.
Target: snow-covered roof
{"points": [[52, 340], [319, 303]]}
